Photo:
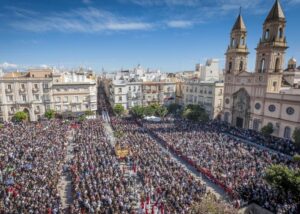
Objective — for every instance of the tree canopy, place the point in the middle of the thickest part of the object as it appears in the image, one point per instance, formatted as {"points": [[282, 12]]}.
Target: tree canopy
{"points": [[20, 116], [50, 114], [296, 136], [195, 113], [137, 111], [267, 129], [285, 180], [119, 109]]}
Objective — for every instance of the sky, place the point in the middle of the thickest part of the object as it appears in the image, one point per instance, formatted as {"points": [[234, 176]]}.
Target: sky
{"points": [[170, 35]]}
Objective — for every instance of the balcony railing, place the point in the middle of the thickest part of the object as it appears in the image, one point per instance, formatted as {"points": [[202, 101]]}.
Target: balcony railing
{"points": [[8, 90], [35, 90], [22, 90]]}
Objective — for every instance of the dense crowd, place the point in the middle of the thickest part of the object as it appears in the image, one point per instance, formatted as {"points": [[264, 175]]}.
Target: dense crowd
{"points": [[31, 157], [236, 166], [99, 182], [147, 180], [164, 181], [285, 146]]}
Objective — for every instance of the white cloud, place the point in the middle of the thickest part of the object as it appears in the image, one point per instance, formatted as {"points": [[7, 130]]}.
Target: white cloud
{"points": [[179, 24], [7, 65], [86, 20]]}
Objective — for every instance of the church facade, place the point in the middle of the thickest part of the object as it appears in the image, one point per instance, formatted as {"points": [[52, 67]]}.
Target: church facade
{"points": [[270, 94]]}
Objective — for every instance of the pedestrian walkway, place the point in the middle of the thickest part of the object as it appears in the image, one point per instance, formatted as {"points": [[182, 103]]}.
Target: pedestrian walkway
{"points": [[65, 188]]}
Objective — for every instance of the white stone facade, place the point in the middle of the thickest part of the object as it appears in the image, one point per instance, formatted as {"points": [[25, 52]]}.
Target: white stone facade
{"points": [[36, 91], [206, 94]]}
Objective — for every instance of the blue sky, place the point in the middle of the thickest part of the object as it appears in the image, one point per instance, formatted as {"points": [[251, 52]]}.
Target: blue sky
{"points": [[171, 35]]}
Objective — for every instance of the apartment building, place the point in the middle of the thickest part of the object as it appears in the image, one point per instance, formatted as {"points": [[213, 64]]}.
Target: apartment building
{"points": [[37, 90]]}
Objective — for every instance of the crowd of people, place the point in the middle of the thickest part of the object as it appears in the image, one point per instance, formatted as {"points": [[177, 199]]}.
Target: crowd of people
{"points": [[31, 158], [166, 184], [100, 185], [285, 146], [147, 179], [236, 166]]}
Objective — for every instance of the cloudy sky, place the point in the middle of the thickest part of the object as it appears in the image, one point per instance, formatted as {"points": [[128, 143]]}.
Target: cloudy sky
{"points": [[172, 35]]}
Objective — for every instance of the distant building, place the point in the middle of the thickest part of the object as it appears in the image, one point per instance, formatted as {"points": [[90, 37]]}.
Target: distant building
{"points": [[210, 71], [37, 90], [74, 91], [203, 88], [209, 95], [25, 91], [140, 87]]}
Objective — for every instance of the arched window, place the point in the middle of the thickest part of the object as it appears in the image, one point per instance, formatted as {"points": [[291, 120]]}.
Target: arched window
{"points": [[232, 42], [241, 65], [277, 65], [280, 33], [229, 67], [256, 124], [242, 42], [262, 66], [287, 132], [226, 117], [267, 34]]}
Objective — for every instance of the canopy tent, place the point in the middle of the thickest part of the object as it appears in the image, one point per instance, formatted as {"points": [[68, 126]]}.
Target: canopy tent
{"points": [[152, 118]]}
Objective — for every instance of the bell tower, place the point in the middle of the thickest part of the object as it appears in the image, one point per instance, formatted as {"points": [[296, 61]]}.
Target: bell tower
{"points": [[271, 50], [237, 51]]}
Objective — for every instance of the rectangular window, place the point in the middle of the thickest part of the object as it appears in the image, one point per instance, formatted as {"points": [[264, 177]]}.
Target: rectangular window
{"points": [[24, 98], [35, 86], [9, 87], [23, 86], [9, 98], [65, 99], [57, 99], [76, 99], [37, 97], [45, 85], [120, 90], [120, 98]]}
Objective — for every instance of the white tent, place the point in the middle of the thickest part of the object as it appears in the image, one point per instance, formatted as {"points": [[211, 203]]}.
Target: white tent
{"points": [[152, 118]]}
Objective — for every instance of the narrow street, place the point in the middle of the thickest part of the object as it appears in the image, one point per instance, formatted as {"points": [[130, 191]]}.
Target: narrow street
{"points": [[65, 184]]}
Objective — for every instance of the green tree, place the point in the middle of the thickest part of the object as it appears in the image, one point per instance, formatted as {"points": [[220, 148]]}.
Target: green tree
{"points": [[296, 158], [267, 129], [296, 136], [285, 180], [119, 109], [195, 113], [162, 111], [150, 110], [50, 114], [137, 111], [89, 113], [20, 116], [174, 108]]}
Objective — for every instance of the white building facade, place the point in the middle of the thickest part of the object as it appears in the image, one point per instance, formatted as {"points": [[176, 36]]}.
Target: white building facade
{"points": [[36, 91]]}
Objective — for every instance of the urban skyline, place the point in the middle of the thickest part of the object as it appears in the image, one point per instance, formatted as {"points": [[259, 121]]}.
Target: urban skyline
{"points": [[124, 33]]}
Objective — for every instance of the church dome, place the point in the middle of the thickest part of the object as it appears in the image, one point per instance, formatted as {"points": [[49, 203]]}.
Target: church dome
{"points": [[292, 61]]}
